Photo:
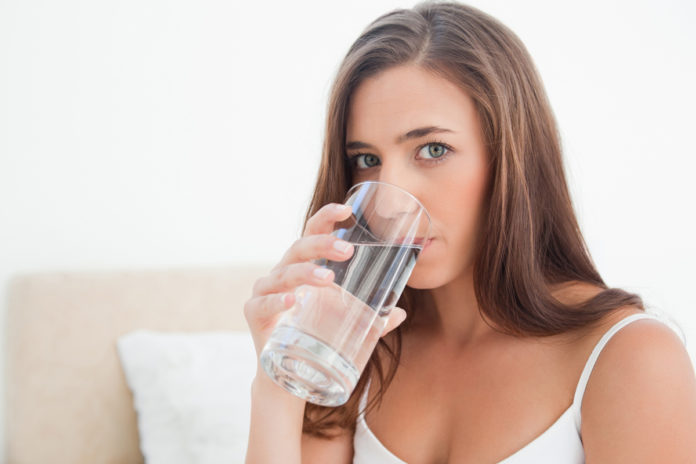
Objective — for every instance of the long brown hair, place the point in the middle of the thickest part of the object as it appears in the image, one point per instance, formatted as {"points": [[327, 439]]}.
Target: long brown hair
{"points": [[530, 236]]}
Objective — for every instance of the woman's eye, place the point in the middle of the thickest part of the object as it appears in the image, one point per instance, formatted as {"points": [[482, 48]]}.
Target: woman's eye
{"points": [[433, 150], [365, 161]]}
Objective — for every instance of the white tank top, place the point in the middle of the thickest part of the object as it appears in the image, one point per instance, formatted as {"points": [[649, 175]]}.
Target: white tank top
{"points": [[560, 443]]}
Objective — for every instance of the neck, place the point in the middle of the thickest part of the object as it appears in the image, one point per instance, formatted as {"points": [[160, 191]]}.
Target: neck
{"points": [[454, 318]]}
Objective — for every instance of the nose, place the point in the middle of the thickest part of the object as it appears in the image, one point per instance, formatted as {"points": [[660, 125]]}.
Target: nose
{"points": [[397, 199], [393, 201], [395, 210], [399, 215]]}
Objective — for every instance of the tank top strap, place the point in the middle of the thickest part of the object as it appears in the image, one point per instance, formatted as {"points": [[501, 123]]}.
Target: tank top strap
{"points": [[589, 365]]}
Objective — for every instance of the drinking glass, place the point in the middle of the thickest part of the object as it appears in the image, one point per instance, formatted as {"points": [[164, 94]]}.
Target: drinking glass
{"points": [[321, 345]]}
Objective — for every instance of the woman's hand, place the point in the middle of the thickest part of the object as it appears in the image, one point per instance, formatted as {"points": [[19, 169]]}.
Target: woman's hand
{"points": [[273, 294]]}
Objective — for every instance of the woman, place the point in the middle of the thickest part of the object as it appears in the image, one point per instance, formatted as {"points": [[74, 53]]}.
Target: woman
{"points": [[504, 316]]}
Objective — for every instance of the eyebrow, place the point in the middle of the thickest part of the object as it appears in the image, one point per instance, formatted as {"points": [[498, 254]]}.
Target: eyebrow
{"points": [[412, 134]]}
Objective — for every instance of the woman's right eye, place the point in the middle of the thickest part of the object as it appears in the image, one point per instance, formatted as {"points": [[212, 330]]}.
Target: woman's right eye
{"points": [[364, 161]]}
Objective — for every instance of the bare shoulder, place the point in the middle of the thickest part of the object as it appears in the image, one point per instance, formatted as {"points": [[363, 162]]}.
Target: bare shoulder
{"points": [[640, 400], [337, 449]]}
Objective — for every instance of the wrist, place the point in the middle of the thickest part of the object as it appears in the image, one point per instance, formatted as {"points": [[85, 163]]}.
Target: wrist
{"points": [[264, 386]]}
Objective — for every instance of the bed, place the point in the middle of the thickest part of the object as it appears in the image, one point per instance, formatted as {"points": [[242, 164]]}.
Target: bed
{"points": [[67, 396]]}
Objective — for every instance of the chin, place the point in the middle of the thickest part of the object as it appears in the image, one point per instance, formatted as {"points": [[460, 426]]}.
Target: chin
{"points": [[428, 277], [423, 280]]}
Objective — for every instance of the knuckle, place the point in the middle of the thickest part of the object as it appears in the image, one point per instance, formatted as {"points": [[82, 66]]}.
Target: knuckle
{"points": [[283, 275], [313, 219], [320, 215], [270, 302], [309, 270], [327, 241], [322, 245]]}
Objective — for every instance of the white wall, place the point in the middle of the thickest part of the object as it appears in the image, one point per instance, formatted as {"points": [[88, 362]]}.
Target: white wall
{"points": [[168, 133]]}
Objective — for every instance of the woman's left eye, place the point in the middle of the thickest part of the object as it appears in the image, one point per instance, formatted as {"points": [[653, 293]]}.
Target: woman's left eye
{"points": [[433, 151]]}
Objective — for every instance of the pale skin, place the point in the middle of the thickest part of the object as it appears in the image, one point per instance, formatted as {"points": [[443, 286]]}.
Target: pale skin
{"points": [[489, 394]]}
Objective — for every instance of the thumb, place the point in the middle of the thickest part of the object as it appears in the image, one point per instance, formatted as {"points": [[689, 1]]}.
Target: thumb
{"points": [[396, 317]]}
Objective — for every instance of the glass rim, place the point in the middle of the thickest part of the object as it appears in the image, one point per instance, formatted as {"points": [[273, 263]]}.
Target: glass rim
{"points": [[427, 214]]}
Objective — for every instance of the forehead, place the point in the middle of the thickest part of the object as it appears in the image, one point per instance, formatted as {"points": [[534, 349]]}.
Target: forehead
{"points": [[401, 98]]}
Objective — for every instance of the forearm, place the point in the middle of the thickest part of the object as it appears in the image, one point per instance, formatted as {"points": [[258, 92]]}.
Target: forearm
{"points": [[275, 434]]}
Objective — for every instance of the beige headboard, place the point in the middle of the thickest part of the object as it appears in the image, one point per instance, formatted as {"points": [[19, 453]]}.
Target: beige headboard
{"points": [[67, 399]]}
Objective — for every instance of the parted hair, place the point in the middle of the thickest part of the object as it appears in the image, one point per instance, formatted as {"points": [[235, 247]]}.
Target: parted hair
{"points": [[530, 237]]}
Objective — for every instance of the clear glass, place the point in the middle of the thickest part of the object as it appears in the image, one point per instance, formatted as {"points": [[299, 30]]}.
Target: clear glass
{"points": [[321, 345]]}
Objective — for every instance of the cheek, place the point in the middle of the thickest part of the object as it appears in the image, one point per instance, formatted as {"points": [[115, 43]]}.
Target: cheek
{"points": [[464, 200], [456, 207]]}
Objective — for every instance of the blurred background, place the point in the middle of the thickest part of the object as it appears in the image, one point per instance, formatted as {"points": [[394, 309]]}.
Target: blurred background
{"points": [[160, 134]]}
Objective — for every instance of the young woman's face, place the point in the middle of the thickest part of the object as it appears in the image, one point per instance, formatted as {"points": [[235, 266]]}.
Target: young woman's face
{"points": [[411, 128]]}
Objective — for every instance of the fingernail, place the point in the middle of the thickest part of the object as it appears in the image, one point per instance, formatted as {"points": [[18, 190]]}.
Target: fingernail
{"points": [[402, 317], [341, 246], [322, 273], [284, 299], [341, 207]]}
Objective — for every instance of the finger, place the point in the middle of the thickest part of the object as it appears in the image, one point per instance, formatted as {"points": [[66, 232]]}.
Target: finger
{"points": [[267, 306], [289, 277], [396, 317], [322, 222], [314, 247]]}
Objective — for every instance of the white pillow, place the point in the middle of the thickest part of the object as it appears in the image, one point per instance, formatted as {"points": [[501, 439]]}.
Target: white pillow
{"points": [[192, 393]]}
